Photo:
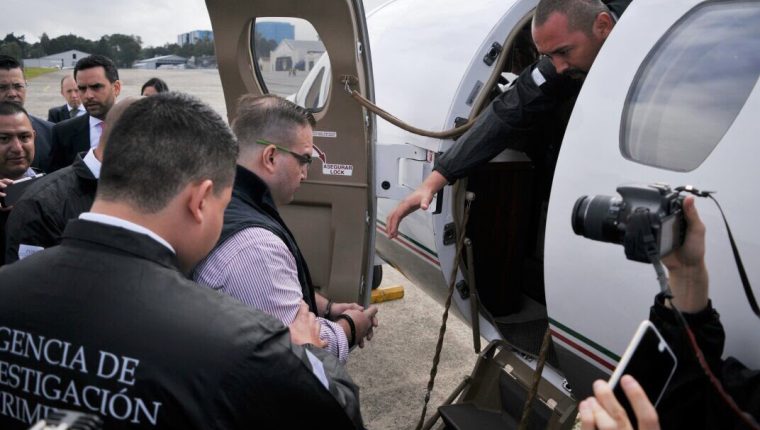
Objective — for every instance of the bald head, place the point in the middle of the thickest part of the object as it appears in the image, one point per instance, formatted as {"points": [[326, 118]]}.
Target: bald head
{"points": [[113, 116], [70, 91]]}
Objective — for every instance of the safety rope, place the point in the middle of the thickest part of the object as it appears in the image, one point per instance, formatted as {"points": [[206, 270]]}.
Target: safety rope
{"points": [[452, 280], [536, 379], [446, 134]]}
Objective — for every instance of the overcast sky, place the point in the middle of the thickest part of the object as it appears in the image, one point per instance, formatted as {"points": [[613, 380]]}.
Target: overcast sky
{"points": [[157, 22]]}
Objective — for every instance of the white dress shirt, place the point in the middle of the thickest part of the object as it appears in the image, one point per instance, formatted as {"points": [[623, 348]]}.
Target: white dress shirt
{"points": [[128, 225]]}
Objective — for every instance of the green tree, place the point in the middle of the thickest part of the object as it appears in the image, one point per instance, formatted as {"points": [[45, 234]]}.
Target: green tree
{"points": [[123, 49], [13, 49], [45, 44]]}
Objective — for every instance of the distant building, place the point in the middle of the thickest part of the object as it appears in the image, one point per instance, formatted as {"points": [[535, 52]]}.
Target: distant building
{"points": [[295, 54], [276, 31], [194, 37], [165, 60], [63, 60]]}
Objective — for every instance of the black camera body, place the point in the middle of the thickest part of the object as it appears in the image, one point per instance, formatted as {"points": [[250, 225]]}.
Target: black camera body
{"points": [[647, 220]]}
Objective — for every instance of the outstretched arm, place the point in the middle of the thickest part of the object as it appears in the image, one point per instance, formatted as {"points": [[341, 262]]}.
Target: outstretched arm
{"points": [[419, 199]]}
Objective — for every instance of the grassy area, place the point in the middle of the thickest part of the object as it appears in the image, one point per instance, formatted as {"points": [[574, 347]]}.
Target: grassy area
{"points": [[33, 72]]}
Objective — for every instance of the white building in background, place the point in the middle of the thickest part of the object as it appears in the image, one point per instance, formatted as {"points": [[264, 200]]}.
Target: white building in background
{"points": [[296, 54], [63, 60], [173, 61], [193, 37]]}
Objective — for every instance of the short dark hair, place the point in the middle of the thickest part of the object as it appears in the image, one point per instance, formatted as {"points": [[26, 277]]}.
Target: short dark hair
{"points": [[112, 73], [10, 108], [580, 14], [7, 63], [268, 117], [160, 145], [156, 83]]}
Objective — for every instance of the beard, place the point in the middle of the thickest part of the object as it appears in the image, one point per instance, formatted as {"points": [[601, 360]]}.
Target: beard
{"points": [[574, 73]]}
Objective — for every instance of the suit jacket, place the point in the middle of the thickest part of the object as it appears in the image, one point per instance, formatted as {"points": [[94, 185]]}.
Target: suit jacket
{"points": [[43, 142], [58, 113], [69, 139], [111, 327]]}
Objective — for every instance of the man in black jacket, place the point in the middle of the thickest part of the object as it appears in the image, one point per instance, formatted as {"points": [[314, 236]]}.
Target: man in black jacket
{"points": [[98, 82], [38, 219], [16, 154], [73, 106], [107, 322], [570, 34], [690, 401]]}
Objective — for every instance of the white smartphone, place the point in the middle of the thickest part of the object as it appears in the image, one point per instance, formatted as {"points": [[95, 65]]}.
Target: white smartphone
{"points": [[650, 361]]}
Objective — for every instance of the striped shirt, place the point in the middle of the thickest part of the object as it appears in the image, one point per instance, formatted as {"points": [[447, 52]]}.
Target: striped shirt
{"points": [[256, 267]]}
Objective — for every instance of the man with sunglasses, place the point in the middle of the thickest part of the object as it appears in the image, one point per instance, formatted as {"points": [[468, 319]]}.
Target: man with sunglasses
{"points": [[257, 259]]}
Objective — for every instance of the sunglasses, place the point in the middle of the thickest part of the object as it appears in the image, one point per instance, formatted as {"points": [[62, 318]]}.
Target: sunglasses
{"points": [[303, 159]]}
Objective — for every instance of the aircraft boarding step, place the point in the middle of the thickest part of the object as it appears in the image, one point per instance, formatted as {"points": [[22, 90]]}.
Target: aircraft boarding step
{"points": [[496, 393]]}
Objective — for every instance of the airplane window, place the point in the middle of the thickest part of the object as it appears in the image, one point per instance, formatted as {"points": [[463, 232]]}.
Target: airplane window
{"points": [[692, 86], [287, 53]]}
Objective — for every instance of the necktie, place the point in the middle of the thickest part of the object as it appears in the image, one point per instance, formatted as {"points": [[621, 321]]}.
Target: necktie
{"points": [[73, 113]]}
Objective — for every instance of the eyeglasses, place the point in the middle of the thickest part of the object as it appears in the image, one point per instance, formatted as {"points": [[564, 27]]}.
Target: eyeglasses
{"points": [[19, 86], [303, 159]]}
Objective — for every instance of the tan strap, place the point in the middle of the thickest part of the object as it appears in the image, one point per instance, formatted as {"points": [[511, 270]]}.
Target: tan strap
{"points": [[446, 134]]}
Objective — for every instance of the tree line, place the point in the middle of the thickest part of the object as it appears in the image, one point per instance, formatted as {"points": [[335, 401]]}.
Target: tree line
{"points": [[123, 49]]}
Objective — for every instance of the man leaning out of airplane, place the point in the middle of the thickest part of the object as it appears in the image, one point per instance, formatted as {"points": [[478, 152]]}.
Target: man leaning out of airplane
{"points": [[257, 259], [569, 34], [107, 322], [691, 401]]}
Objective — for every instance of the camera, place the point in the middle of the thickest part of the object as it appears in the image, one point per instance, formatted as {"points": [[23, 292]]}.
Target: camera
{"points": [[647, 220]]}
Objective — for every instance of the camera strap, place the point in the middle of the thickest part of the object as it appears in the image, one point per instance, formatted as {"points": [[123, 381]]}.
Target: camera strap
{"points": [[739, 266]]}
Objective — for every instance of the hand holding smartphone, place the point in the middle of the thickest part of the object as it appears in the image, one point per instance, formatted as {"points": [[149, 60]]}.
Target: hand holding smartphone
{"points": [[650, 361]]}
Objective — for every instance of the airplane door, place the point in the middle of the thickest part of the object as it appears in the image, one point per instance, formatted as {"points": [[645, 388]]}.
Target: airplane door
{"points": [[271, 46]]}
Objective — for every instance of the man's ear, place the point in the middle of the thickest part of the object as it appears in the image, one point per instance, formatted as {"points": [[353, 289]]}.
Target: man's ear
{"points": [[198, 198], [603, 25], [116, 87], [267, 158]]}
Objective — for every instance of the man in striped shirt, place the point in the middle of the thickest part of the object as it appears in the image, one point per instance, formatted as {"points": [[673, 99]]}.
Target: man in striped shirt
{"points": [[257, 259]]}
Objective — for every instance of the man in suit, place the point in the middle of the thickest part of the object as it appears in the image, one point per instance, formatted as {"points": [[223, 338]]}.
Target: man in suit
{"points": [[73, 106], [13, 87], [107, 323], [98, 83]]}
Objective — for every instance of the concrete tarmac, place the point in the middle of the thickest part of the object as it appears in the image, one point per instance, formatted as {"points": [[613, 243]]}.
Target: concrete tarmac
{"points": [[393, 369]]}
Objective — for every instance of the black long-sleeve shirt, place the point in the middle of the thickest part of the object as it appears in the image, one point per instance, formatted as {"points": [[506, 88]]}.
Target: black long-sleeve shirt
{"points": [[532, 99], [690, 400]]}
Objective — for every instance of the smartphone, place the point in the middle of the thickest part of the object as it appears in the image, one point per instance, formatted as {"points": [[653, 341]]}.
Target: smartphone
{"points": [[14, 191], [650, 361]]}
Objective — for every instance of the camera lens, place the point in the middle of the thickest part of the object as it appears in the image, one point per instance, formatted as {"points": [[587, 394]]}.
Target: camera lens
{"points": [[595, 217]]}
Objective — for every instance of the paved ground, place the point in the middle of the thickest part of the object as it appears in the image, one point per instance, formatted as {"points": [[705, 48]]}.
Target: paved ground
{"points": [[393, 369]]}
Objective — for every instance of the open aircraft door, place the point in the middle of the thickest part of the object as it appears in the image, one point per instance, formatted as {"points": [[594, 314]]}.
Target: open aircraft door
{"points": [[269, 46]]}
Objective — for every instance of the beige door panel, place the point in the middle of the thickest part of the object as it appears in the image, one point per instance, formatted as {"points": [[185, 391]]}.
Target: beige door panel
{"points": [[332, 215]]}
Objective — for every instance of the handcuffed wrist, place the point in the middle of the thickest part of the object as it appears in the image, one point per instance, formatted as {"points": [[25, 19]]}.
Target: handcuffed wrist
{"points": [[351, 326]]}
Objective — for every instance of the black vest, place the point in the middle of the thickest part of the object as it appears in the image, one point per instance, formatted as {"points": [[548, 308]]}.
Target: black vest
{"points": [[252, 206]]}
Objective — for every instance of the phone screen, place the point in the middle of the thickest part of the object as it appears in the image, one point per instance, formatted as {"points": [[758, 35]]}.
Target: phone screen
{"points": [[650, 361]]}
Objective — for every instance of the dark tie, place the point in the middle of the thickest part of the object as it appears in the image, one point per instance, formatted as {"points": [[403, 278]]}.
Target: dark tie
{"points": [[73, 113]]}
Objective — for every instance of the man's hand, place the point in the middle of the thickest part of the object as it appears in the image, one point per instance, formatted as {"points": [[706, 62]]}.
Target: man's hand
{"points": [[4, 183], [603, 411], [305, 328], [365, 321], [420, 198], [340, 308], [688, 272]]}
